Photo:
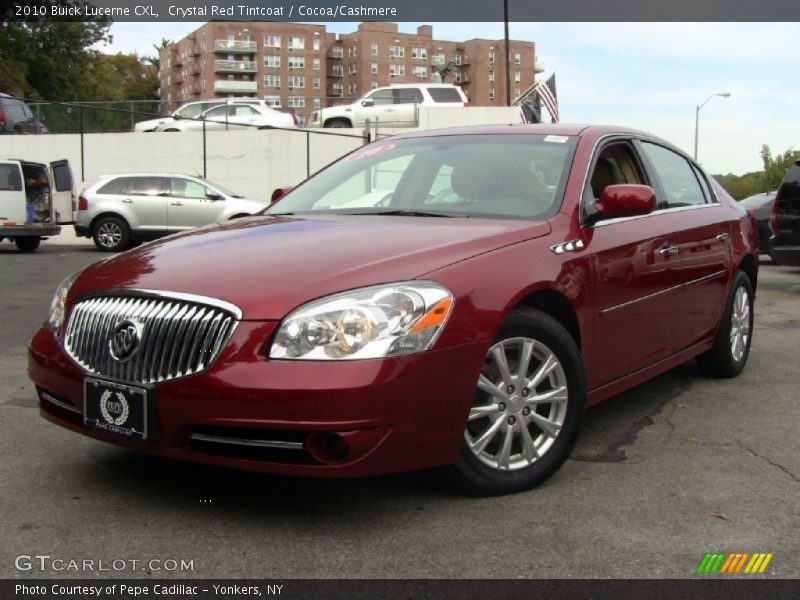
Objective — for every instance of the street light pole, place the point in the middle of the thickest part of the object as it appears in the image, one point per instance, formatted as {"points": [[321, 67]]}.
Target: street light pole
{"points": [[697, 116]]}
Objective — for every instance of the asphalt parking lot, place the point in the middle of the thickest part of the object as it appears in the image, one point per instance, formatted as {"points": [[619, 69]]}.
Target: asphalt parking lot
{"points": [[675, 468]]}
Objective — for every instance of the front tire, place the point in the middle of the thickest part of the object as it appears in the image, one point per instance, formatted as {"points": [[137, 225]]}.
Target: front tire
{"points": [[338, 124], [728, 356], [111, 234], [27, 244], [527, 410]]}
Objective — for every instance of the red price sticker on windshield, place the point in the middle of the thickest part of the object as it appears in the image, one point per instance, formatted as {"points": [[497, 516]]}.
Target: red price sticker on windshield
{"points": [[371, 151]]}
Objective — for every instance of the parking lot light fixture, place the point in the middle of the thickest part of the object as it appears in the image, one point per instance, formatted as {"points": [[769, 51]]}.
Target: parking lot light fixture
{"points": [[697, 116]]}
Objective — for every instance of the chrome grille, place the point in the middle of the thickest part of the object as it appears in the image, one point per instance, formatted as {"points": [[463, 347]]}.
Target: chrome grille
{"points": [[181, 334]]}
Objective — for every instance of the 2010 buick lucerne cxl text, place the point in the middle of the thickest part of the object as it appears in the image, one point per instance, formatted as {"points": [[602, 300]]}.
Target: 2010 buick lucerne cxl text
{"points": [[450, 298]]}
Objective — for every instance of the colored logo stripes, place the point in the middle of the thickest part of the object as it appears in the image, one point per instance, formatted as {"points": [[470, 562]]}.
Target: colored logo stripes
{"points": [[734, 563]]}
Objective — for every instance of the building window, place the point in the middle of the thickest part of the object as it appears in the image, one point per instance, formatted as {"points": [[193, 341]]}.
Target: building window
{"points": [[420, 72], [272, 62], [272, 81], [491, 57], [516, 92], [297, 81], [337, 70], [491, 75], [457, 59], [373, 50], [316, 64], [491, 93], [353, 68], [272, 41], [373, 85], [337, 52], [316, 83], [397, 51], [374, 68], [420, 53], [438, 59], [338, 89], [297, 62], [396, 70], [296, 102], [517, 76], [272, 100], [517, 59], [317, 103], [315, 44], [297, 43]]}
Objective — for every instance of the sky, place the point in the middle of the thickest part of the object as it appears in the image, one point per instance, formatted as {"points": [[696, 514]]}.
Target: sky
{"points": [[650, 76]]}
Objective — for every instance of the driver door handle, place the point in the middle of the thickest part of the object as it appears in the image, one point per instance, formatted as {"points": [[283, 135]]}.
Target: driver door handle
{"points": [[176, 203], [128, 201], [669, 250], [723, 237]]}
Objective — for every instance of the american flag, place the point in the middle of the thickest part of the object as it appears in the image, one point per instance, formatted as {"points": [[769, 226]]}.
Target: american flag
{"points": [[547, 93], [543, 93]]}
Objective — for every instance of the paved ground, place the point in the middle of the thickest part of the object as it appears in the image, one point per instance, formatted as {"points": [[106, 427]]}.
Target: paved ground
{"points": [[663, 474]]}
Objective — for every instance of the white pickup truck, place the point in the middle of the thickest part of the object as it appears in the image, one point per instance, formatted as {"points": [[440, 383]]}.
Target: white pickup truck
{"points": [[35, 200], [393, 106]]}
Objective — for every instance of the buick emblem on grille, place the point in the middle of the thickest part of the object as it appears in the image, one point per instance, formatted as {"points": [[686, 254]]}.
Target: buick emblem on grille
{"points": [[124, 341]]}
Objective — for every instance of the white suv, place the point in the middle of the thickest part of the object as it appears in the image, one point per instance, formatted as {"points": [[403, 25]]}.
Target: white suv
{"points": [[393, 106], [191, 110]]}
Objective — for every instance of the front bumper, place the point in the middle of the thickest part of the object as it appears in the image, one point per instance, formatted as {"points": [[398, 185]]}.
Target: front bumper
{"points": [[396, 414]]}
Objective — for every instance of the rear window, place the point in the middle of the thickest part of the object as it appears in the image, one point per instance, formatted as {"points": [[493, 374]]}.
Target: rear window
{"points": [[788, 199], [10, 180], [63, 176], [115, 186], [445, 95]]}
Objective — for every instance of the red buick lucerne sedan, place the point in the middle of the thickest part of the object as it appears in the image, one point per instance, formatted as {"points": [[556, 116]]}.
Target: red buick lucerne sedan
{"points": [[450, 298]]}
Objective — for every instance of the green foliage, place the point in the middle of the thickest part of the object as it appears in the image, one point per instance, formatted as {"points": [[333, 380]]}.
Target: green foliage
{"points": [[756, 182]]}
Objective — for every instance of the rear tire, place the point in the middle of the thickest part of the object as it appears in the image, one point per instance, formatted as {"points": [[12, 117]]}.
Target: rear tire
{"points": [[527, 409], [27, 244], [111, 234], [728, 356]]}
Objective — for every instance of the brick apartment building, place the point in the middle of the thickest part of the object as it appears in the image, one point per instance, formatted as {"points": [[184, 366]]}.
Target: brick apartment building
{"points": [[305, 67]]}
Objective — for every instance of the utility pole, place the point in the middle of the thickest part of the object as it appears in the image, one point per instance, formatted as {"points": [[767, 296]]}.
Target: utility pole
{"points": [[508, 61]]}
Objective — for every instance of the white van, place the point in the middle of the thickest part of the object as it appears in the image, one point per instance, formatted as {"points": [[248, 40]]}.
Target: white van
{"points": [[35, 200]]}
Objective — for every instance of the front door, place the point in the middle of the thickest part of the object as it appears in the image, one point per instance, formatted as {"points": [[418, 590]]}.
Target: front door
{"points": [[190, 205]]}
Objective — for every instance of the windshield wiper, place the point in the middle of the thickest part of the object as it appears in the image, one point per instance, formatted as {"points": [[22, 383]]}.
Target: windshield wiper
{"points": [[402, 212]]}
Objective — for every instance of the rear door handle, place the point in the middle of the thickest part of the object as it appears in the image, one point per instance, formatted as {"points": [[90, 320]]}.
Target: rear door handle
{"points": [[723, 237], [176, 203], [128, 201], [669, 251]]}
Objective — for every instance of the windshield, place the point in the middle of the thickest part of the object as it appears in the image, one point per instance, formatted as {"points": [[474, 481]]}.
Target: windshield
{"points": [[501, 176], [222, 190]]}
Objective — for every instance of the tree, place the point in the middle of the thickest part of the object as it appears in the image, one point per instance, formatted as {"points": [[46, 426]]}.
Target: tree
{"points": [[156, 60], [45, 56], [756, 182]]}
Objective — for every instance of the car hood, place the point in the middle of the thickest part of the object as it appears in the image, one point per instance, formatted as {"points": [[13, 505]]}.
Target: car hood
{"points": [[152, 123], [268, 266]]}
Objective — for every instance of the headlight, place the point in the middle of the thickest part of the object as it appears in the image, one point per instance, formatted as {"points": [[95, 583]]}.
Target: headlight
{"points": [[59, 304], [372, 322]]}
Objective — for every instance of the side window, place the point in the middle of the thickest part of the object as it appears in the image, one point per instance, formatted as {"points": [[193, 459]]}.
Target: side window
{"points": [[146, 186], [63, 177], [216, 113], [616, 164], [677, 177], [407, 96], [701, 178], [115, 186], [242, 110], [382, 97], [10, 178], [184, 188]]}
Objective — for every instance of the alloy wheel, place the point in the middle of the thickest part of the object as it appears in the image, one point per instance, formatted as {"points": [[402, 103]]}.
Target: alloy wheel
{"points": [[740, 323], [520, 405], [109, 234]]}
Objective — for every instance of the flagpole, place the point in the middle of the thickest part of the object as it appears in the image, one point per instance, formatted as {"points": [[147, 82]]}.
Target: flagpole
{"points": [[508, 61]]}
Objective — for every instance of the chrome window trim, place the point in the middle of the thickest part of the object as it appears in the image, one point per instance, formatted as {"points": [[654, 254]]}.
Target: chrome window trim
{"points": [[662, 211], [674, 288]]}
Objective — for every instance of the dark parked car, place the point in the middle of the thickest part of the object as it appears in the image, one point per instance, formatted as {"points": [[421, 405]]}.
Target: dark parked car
{"points": [[464, 321], [16, 117], [760, 206], [785, 242]]}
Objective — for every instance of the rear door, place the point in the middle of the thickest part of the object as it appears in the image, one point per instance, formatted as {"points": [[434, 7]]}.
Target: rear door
{"points": [[63, 191], [703, 233], [12, 193], [406, 102], [189, 204], [146, 198]]}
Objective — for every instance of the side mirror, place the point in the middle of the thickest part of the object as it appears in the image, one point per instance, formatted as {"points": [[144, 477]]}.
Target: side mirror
{"points": [[214, 196], [625, 200], [279, 193], [368, 102]]}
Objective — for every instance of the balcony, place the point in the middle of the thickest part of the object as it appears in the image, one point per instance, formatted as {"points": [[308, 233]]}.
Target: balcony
{"points": [[225, 86], [235, 66], [235, 46]]}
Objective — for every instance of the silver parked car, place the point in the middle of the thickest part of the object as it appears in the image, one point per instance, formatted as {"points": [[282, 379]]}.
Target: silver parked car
{"points": [[120, 210], [233, 116]]}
